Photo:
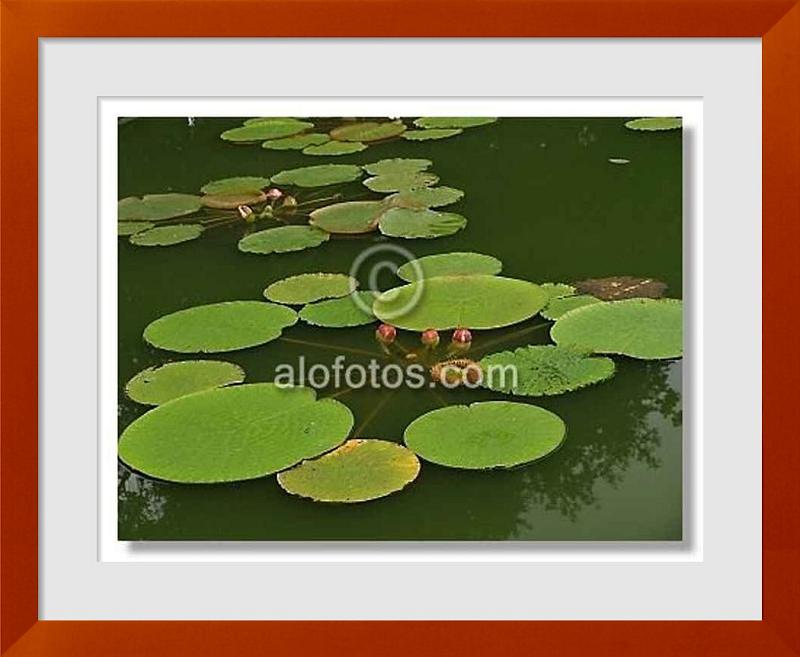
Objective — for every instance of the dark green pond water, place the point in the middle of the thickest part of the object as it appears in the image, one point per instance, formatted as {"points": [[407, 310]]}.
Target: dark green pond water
{"points": [[542, 197]]}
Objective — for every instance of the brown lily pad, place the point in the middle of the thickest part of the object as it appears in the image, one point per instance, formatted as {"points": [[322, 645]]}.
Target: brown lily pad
{"points": [[614, 288]]}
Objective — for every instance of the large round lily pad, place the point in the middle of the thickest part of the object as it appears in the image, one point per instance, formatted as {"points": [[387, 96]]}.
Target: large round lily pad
{"points": [[283, 239], [157, 207], [232, 200], [368, 131], [397, 165], [336, 148], [297, 142], [167, 235], [449, 264], [158, 385], [266, 130], [427, 224], [350, 217], [425, 135], [640, 328], [319, 176], [306, 288], [357, 471], [232, 434], [562, 305], [352, 310], [425, 197], [654, 124], [237, 185], [396, 182], [485, 435], [218, 327], [452, 121], [543, 370], [446, 302]]}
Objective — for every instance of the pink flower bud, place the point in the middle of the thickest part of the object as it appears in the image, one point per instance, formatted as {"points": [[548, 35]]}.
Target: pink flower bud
{"points": [[386, 334], [462, 336], [273, 194], [430, 338]]}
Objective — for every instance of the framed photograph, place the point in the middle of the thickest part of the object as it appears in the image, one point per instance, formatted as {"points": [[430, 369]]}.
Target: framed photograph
{"points": [[357, 330]]}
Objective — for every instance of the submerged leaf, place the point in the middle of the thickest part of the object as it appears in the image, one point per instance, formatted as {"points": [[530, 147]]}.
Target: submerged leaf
{"points": [[654, 124], [297, 142], [561, 305], [232, 200], [336, 148], [157, 207], [351, 217], [233, 434], [265, 130], [449, 264], [425, 135], [368, 131], [426, 197], [127, 228], [428, 224], [319, 176], [640, 328], [238, 185], [397, 165], [167, 235], [615, 288], [306, 288], [452, 122], [357, 471], [157, 385], [396, 182], [218, 327], [446, 302], [543, 370], [485, 435], [283, 239], [352, 310]]}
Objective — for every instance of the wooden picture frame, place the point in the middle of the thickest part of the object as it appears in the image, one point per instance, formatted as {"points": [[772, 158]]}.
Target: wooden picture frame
{"points": [[24, 22]]}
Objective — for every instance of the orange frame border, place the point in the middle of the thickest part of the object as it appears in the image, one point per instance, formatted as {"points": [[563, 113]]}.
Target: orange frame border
{"points": [[23, 22]]}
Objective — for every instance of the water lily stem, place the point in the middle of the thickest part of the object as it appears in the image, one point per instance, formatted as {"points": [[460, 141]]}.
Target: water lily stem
{"points": [[508, 338], [336, 348], [376, 409]]}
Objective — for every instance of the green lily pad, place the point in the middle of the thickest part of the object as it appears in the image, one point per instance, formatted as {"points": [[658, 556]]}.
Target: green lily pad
{"points": [[640, 328], [449, 264], [654, 124], [351, 217], [494, 434], [428, 224], [555, 290], [167, 235], [265, 130], [397, 165], [283, 239], [543, 370], [357, 471], [233, 434], [306, 288], [127, 228], [426, 197], [562, 305], [319, 176], [452, 122], [218, 327], [336, 148], [425, 135], [297, 142], [368, 131], [396, 182], [275, 119], [352, 310], [158, 385], [445, 302], [157, 207], [232, 200], [238, 185], [615, 288]]}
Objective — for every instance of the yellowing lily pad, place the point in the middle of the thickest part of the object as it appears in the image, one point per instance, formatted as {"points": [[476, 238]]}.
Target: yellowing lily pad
{"points": [[319, 176], [485, 435], [654, 124], [351, 217], [127, 228], [232, 200], [425, 135], [218, 327], [446, 302], [297, 142], [306, 288], [357, 471], [167, 235], [543, 370], [427, 224], [368, 131], [426, 197], [232, 434], [157, 207], [397, 165], [562, 305], [157, 385], [639, 328], [452, 121], [395, 182], [352, 310], [238, 185], [283, 239], [264, 130], [336, 148], [449, 264]]}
